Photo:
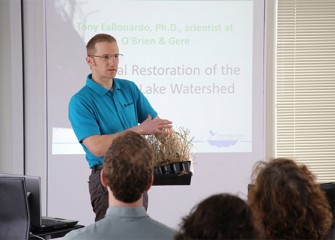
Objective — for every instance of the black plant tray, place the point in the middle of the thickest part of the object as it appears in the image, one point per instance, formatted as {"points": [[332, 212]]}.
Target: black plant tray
{"points": [[177, 173], [172, 179]]}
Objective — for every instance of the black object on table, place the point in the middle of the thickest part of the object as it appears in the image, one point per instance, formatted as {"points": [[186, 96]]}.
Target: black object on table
{"points": [[54, 233]]}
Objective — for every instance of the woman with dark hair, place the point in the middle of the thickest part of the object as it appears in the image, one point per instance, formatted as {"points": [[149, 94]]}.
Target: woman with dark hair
{"points": [[288, 201], [220, 216]]}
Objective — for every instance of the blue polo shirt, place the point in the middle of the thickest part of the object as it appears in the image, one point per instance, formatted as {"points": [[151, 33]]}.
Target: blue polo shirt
{"points": [[95, 110]]}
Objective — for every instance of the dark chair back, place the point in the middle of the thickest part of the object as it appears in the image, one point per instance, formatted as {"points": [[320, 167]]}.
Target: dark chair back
{"points": [[329, 189], [14, 210]]}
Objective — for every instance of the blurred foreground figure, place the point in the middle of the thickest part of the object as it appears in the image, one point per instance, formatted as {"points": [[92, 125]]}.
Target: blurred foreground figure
{"points": [[221, 216], [288, 201], [127, 173]]}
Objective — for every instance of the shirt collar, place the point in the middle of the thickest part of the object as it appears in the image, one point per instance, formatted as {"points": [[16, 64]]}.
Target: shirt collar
{"points": [[96, 87], [127, 211]]}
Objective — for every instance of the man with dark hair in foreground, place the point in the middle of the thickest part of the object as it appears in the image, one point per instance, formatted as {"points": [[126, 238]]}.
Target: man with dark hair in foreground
{"points": [[127, 173]]}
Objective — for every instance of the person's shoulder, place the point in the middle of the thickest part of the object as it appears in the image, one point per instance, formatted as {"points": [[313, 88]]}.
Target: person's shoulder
{"points": [[82, 91], [124, 82], [81, 233], [82, 94], [103, 229], [162, 226], [126, 85], [76, 234]]}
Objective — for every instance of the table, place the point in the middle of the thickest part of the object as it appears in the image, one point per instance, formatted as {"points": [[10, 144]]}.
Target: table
{"points": [[54, 233]]}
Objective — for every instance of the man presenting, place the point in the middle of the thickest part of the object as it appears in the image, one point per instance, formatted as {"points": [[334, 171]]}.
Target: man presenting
{"points": [[105, 108]]}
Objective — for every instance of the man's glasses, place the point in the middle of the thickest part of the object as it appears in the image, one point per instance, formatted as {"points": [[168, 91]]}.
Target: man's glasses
{"points": [[107, 57]]}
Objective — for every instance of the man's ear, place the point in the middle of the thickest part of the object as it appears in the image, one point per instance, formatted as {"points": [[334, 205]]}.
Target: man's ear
{"points": [[90, 61], [151, 180], [102, 178]]}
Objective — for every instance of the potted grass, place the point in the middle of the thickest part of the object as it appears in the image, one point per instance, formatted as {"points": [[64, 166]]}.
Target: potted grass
{"points": [[173, 157]]}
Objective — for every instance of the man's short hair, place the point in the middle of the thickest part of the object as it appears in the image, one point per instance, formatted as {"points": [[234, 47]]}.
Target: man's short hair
{"points": [[128, 166], [101, 37]]}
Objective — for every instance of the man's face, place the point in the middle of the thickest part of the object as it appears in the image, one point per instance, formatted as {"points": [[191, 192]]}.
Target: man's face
{"points": [[105, 61]]}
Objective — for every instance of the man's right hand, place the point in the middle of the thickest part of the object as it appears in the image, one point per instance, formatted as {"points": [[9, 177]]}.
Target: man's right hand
{"points": [[154, 126]]}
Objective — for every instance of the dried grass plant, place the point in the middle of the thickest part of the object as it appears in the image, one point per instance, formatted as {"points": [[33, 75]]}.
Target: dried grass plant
{"points": [[171, 148]]}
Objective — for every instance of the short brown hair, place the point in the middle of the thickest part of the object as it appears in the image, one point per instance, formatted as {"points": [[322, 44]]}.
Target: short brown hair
{"points": [[288, 201], [128, 166], [101, 37]]}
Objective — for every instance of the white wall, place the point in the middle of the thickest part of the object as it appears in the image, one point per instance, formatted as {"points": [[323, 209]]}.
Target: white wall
{"points": [[35, 92], [11, 90], [270, 47], [22, 92]]}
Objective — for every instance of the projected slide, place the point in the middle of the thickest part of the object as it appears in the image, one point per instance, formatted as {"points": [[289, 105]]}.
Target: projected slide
{"points": [[191, 59]]}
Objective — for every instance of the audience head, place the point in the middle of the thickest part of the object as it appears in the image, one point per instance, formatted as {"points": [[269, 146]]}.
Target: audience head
{"points": [[288, 201], [101, 37], [220, 216], [128, 167]]}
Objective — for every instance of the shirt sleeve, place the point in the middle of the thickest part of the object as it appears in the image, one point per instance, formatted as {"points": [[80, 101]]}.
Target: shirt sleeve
{"points": [[144, 107], [82, 118]]}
